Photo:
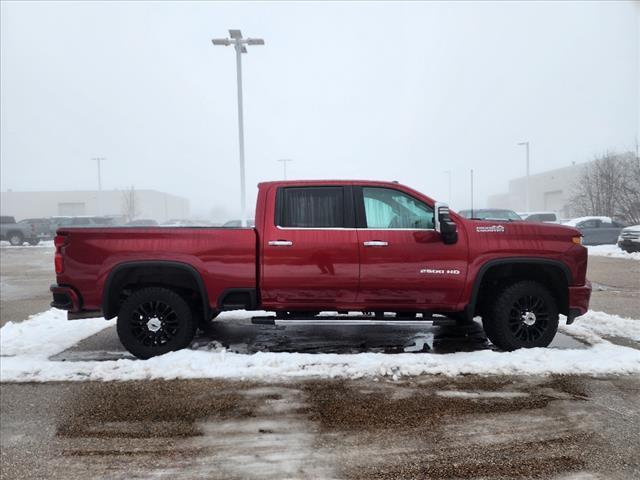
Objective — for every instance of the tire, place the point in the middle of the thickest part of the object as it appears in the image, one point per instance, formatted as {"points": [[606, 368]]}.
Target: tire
{"points": [[16, 239], [522, 315], [34, 241], [208, 326], [154, 321]]}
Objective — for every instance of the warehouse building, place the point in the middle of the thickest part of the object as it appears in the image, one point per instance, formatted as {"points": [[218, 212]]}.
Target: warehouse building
{"points": [[548, 191], [148, 204]]}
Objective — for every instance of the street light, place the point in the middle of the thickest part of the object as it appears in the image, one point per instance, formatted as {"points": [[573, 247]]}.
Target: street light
{"points": [[526, 188], [284, 165], [99, 161], [240, 45]]}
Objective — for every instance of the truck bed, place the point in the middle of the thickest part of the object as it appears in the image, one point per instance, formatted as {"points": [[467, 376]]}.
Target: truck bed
{"points": [[224, 257]]}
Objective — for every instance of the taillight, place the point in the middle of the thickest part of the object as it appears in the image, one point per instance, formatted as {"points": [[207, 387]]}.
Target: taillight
{"points": [[59, 241]]}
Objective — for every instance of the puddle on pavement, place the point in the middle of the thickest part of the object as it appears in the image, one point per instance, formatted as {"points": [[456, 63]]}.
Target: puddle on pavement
{"points": [[241, 336]]}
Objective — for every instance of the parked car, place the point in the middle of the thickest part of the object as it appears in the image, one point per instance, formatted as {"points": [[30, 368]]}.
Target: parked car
{"points": [[82, 222], [18, 233], [629, 239], [597, 230], [142, 222], [545, 217], [326, 245], [491, 214]]}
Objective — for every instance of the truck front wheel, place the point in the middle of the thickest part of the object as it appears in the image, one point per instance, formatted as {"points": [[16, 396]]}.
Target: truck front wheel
{"points": [[522, 315], [154, 321]]}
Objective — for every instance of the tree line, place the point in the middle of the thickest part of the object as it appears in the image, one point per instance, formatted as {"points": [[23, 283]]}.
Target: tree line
{"points": [[609, 186]]}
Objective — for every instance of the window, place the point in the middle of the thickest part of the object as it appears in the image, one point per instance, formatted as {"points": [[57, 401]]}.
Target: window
{"points": [[589, 224], [311, 207], [388, 208]]}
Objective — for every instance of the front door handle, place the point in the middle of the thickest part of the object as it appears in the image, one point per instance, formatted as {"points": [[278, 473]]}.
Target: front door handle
{"points": [[375, 243], [280, 243]]}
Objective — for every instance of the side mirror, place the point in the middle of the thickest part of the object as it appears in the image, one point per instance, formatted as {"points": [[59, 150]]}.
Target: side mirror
{"points": [[447, 229]]}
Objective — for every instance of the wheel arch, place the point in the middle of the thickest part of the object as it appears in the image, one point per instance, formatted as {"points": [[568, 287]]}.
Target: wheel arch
{"points": [[151, 272], [553, 273]]}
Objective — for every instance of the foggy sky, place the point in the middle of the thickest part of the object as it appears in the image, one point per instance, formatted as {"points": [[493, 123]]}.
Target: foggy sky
{"points": [[391, 91]]}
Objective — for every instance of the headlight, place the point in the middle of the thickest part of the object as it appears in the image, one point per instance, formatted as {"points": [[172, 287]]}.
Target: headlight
{"points": [[577, 239]]}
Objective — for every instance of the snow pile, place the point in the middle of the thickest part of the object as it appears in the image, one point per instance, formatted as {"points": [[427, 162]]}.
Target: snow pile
{"points": [[612, 251], [26, 347], [46, 334], [593, 325]]}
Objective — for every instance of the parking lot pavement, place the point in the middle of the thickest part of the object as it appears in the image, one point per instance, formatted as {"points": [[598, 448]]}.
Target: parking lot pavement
{"points": [[423, 427], [616, 286], [427, 427], [25, 276]]}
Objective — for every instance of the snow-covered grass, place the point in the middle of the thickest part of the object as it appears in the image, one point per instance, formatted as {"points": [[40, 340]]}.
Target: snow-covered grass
{"points": [[26, 347], [612, 251]]}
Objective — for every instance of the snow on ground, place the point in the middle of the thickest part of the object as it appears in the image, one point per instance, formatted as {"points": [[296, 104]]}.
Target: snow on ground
{"points": [[26, 346], [42, 244], [612, 251]]}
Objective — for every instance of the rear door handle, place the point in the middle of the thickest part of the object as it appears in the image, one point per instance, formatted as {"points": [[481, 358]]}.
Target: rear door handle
{"points": [[280, 243], [375, 243]]}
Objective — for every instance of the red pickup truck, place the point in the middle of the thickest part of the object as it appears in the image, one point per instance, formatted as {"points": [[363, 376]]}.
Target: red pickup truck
{"points": [[326, 246]]}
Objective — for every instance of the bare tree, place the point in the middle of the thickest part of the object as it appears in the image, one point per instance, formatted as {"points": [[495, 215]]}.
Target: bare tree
{"points": [[609, 186], [130, 204], [629, 207]]}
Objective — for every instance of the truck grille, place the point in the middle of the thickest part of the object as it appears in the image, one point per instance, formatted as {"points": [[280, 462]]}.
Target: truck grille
{"points": [[630, 235]]}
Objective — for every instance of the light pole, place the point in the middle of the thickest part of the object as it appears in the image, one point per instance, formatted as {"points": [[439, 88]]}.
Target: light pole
{"points": [[448, 172], [526, 188], [99, 161], [240, 45], [284, 165]]}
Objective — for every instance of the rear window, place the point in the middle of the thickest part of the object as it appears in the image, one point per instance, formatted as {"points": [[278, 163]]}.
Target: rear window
{"points": [[310, 207]]}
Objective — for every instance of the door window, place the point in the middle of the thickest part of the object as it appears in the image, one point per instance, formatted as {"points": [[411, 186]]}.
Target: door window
{"points": [[589, 224], [311, 207], [386, 208]]}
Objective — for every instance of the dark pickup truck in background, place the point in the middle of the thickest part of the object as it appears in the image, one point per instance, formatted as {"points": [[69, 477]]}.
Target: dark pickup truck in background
{"points": [[326, 246]]}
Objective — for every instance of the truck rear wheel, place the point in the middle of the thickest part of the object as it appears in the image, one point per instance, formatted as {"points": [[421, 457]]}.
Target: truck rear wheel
{"points": [[154, 321], [522, 315]]}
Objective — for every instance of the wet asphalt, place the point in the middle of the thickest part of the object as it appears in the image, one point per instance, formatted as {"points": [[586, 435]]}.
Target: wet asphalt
{"points": [[428, 427], [424, 427]]}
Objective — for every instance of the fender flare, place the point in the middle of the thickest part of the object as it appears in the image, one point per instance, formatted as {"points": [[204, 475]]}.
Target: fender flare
{"points": [[511, 260], [195, 274]]}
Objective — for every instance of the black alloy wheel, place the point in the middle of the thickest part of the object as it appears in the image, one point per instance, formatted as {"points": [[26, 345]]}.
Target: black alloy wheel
{"points": [[154, 321], [523, 314]]}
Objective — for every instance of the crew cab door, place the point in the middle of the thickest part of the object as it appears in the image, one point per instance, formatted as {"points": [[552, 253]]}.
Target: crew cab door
{"points": [[403, 260], [310, 248]]}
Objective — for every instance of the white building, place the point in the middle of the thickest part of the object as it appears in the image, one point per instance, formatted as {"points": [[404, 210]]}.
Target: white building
{"points": [[548, 191], [149, 204]]}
